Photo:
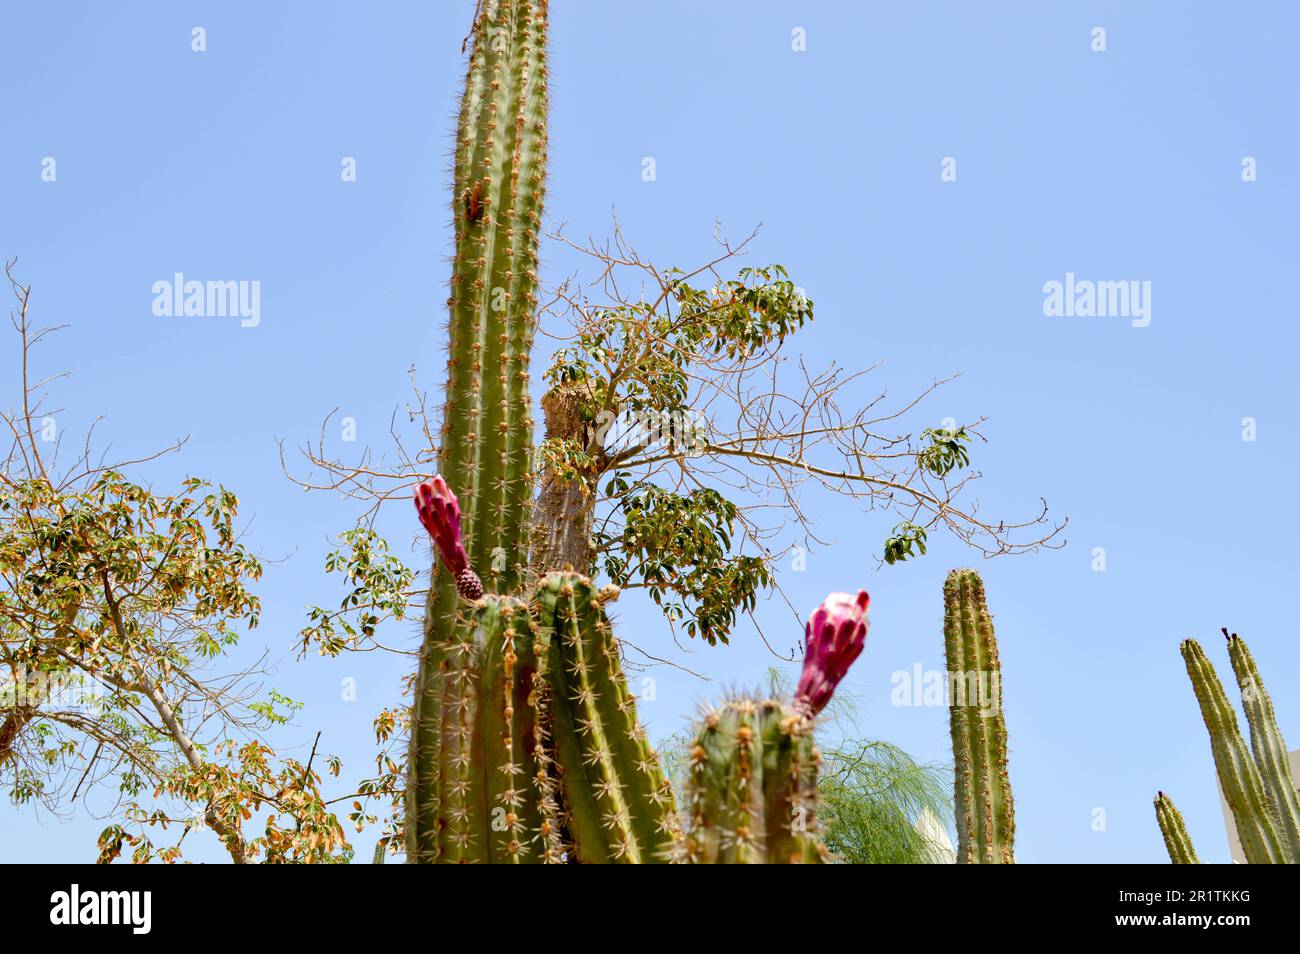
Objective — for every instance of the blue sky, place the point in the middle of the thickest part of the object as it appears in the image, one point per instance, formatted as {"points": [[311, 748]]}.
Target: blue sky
{"points": [[1116, 165]]}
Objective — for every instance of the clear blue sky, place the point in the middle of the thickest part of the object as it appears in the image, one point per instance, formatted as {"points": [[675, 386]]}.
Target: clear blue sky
{"points": [[1122, 165]]}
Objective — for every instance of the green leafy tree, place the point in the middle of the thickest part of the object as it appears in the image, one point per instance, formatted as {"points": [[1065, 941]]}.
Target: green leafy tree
{"points": [[117, 603], [679, 441]]}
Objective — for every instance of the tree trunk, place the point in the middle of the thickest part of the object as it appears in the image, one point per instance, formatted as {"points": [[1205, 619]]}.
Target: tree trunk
{"points": [[563, 510]]}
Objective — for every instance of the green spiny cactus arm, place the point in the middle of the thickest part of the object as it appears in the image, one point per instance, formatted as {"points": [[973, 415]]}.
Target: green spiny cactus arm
{"points": [[527, 191], [1269, 747], [1238, 775], [726, 790], [984, 808], [618, 802], [753, 787], [790, 763], [1177, 841], [497, 207], [518, 801], [489, 787]]}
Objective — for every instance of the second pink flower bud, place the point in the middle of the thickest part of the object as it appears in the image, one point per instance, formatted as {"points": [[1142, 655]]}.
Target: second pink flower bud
{"points": [[833, 639]]}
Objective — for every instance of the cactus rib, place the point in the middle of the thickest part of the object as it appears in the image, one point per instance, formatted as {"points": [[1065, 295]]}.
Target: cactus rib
{"points": [[618, 803]]}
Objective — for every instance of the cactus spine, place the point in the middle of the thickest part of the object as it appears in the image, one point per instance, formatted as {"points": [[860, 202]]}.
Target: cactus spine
{"points": [[753, 787], [487, 428], [1239, 775], [985, 812], [1177, 841], [618, 802]]}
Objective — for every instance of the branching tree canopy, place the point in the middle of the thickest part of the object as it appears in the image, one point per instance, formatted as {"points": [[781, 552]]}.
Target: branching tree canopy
{"points": [[680, 437], [117, 605]]}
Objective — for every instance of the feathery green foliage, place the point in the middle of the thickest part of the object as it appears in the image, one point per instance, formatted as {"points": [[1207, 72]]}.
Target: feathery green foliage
{"points": [[872, 796]]}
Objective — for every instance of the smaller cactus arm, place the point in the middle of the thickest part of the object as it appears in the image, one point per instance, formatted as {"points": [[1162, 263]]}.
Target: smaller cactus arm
{"points": [[722, 774], [790, 764], [487, 790], [1238, 775], [453, 580], [985, 810], [618, 801], [648, 791], [1177, 841], [520, 819], [1268, 746], [753, 786]]}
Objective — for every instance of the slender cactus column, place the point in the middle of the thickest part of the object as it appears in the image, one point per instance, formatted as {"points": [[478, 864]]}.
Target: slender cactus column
{"points": [[1268, 745], [1243, 789], [486, 435], [985, 813], [1177, 841]]}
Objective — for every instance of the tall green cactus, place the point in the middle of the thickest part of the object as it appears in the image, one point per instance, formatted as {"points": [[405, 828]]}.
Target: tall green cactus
{"points": [[525, 744], [618, 802], [985, 811], [753, 787], [1177, 841], [487, 427], [1259, 790]]}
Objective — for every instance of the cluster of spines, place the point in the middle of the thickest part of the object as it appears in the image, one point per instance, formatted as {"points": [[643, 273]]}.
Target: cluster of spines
{"points": [[985, 811], [1258, 789], [753, 787], [1177, 841], [617, 802]]}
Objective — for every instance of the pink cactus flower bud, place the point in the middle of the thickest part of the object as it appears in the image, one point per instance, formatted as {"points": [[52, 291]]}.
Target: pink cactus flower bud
{"points": [[440, 513], [834, 637]]}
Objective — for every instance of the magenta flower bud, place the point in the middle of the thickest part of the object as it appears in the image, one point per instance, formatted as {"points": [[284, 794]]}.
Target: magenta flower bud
{"points": [[834, 637], [440, 513]]}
